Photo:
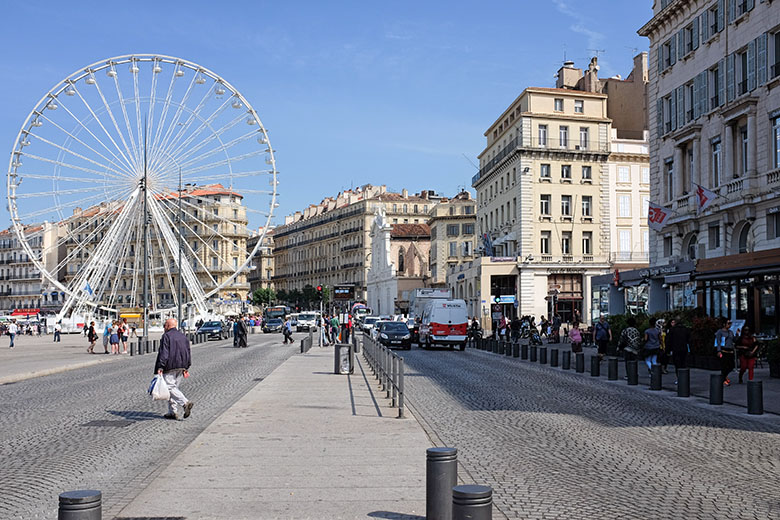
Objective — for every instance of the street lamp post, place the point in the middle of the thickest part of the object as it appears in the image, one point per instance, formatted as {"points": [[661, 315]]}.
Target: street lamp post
{"points": [[178, 288]]}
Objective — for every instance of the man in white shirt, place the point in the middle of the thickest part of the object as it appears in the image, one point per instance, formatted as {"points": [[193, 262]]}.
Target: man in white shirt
{"points": [[57, 332], [12, 330]]}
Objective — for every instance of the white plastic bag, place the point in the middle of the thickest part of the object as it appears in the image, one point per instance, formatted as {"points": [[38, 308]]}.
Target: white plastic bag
{"points": [[159, 389]]}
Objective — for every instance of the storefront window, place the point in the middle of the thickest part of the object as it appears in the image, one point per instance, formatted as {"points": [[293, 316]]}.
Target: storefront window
{"points": [[768, 311], [636, 299], [683, 295]]}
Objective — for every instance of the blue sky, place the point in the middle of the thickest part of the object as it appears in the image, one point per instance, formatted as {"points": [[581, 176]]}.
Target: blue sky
{"points": [[352, 92]]}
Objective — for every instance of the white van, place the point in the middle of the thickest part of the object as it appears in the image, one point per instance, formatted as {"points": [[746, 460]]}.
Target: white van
{"points": [[444, 322]]}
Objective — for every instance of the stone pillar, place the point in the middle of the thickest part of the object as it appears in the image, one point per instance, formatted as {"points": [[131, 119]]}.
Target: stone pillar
{"points": [[696, 170], [679, 178], [728, 156], [752, 136]]}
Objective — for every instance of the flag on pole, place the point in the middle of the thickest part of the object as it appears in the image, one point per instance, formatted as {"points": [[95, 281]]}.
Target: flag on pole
{"points": [[657, 216], [704, 196], [88, 289]]}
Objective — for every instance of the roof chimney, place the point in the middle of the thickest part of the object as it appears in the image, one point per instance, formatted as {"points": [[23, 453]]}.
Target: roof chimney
{"points": [[405, 193]]}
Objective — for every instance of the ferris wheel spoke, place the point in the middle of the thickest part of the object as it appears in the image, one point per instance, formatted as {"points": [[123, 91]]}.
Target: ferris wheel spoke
{"points": [[63, 164], [130, 152], [142, 132], [204, 125], [224, 162], [116, 162], [121, 158], [176, 117], [175, 147], [214, 137], [100, 123], [33, 215], [180, 128], [59, 192], [229, 175], [130, 136], [162, 228], [167, 103], [119, 174]]}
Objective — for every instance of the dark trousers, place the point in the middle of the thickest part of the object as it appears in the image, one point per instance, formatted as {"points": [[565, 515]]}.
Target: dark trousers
{"points": [[57, 336], [602, 344], [726, 364]]}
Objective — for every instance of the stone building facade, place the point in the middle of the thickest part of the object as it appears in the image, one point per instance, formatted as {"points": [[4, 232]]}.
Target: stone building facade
{"points": [[714, 101], [453, 235]]}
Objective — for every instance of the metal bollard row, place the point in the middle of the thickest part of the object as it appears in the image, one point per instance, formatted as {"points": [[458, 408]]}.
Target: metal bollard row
{"points": [[388, 368]]}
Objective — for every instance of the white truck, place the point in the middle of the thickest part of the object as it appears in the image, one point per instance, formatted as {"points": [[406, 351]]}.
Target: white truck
{"points": [[420, 297]]}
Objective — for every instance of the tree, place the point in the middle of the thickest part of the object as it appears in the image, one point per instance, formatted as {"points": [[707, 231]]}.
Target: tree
{"points": [[294, 297], [309, 295], [263, 296], [282, 296]]}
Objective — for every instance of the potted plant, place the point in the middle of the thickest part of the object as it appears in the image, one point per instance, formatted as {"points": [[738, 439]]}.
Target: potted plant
{"points": [[773, 357]]}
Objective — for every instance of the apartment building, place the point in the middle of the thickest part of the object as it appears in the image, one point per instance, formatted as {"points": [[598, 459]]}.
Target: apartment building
{"points": [[214, 234], [714, 96], [545, 195], [24, 290], [329, 243], [262, 270], [453, 235]]}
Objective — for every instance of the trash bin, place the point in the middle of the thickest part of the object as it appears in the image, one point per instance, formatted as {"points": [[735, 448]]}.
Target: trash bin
{"points": [[344, 358]]}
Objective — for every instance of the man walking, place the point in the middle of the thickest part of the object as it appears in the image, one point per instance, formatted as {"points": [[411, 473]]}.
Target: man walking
{"points": [[678, 343], [173, 363], [241, 332], [287, 331], [57, 331], [603, 335], [12, 330]]}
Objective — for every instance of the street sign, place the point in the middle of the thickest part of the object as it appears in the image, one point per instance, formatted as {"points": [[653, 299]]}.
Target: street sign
{"points": [[504, 299]]}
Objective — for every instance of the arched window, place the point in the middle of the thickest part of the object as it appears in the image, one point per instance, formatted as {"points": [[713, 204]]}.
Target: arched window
{"points": [[743, 239], [401, 260]]}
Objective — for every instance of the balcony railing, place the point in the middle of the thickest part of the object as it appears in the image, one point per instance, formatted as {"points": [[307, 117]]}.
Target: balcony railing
{"points": [[535, 143], [631, 256]]}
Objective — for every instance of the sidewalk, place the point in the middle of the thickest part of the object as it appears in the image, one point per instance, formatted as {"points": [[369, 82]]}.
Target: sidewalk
{"points": [[735, 394], [304, 443]]}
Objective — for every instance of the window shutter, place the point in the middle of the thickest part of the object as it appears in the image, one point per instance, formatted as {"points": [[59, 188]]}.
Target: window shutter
{"points": [[721, 14], [730, 80], [673, 51], [704, 92], [732, 10], [722, 82], [673, 110], [695, 33], [761, 57], [680, 106], [770, 227], [751, 58], [704, 26], [660, 117], [660, 57], [696, 97], [680, 45]]}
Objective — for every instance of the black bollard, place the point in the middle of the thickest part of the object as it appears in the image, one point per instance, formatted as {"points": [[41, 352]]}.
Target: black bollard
{"points": [[534, 353], [579, 362], [471, 502], [755, 397], [84, 504], [524, 351], [501, 346], [655, 377], [716, 389], [516, 350], [595, 366], [509, 346], [566, 360], [554, 357], [542, 355], [441, 475], [683, 382], [632, 373], [612, 368]]}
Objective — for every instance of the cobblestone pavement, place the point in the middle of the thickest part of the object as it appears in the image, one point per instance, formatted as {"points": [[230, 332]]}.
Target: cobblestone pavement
{"points": [[96, 428], [556, 444]]}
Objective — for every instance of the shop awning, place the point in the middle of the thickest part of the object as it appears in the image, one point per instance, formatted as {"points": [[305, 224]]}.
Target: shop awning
{"points": [[677, 278], [25, 312], [723, 275], [633, 283]]}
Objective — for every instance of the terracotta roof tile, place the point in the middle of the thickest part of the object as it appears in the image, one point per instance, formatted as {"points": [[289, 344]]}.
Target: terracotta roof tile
{"points": [[410, 230]]}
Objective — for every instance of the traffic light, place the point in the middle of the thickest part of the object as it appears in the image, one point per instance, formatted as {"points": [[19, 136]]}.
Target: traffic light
{"points": [[319, 293]]}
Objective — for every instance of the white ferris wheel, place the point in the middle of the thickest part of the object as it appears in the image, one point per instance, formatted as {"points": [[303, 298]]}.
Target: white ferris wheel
{"points": [[135, 136]]}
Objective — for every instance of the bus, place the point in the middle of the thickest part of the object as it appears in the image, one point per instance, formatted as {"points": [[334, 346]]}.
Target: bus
{"points": [[278, 311]]}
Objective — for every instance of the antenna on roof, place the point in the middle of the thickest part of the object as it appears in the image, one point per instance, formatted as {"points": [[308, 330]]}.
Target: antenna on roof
{"points": [[470, 161], [597, 52]]}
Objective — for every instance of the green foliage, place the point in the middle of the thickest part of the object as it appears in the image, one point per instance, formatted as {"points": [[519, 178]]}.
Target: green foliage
{"points": [[308, 295], [263, 296], [702, 327], [283, 296]]}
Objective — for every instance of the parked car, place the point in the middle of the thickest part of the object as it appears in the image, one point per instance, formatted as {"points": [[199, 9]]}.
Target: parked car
{"points": [[273, 325], [444, 322], [214, 329], [375, 329], [307, 321], [414, 329], [394, 334]]}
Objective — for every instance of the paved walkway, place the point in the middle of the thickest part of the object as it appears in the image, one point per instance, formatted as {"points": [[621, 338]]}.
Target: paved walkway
{"points": [[304, 443]]}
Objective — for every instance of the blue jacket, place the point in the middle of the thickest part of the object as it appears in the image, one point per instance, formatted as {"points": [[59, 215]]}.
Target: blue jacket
{"points": [[174, 351]]}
